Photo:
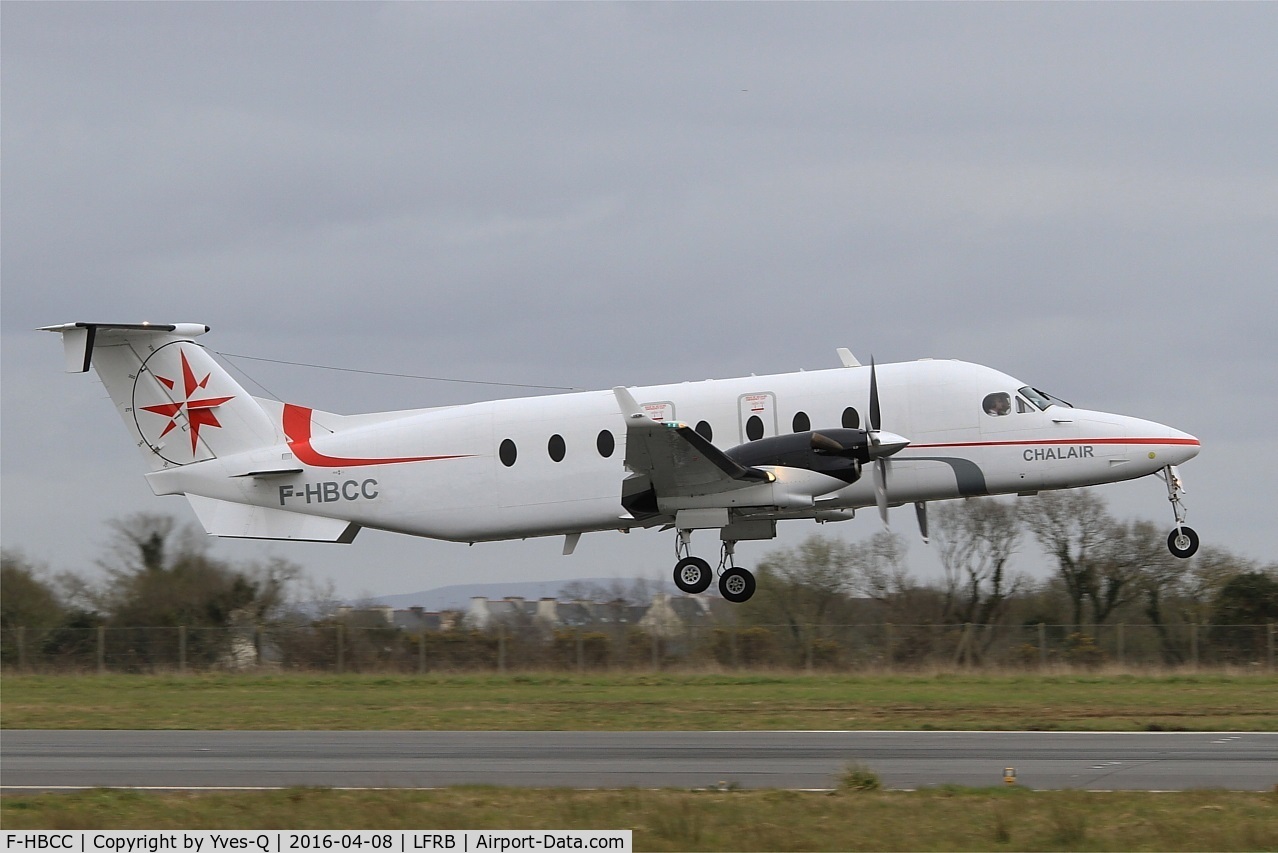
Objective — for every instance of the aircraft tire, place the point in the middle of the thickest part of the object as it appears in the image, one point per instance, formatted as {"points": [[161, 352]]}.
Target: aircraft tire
{"points": [[736, 585], [693, 575], [1183, 543]]}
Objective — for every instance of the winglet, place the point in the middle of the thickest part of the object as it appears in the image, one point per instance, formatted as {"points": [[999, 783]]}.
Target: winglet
{"points": [[848, 359], [629, 407]]}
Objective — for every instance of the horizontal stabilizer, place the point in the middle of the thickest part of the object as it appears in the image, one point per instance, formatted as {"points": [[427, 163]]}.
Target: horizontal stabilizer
{"points": [[78, 339], [270, 472], [242, 521]]}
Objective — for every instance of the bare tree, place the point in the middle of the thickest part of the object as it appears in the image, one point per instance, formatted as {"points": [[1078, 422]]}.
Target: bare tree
{"points": [[159, 573], [148, 542], [1129, 557], [805, 589], [976, 539], [629, 591], [1135, 563], [1072, 527], [1208, 573], [878, 567]]}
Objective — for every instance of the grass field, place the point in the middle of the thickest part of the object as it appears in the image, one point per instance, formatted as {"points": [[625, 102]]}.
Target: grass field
{"points": [[619, 702], [943, 819], [940, 819]]}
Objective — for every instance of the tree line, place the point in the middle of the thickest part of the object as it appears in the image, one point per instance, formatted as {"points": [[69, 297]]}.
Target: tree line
{"points": [[158, 574], [1104, 570]]}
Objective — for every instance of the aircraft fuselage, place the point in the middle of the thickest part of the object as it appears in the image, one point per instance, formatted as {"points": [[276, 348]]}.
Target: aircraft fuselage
{"points": [[549, 465]]}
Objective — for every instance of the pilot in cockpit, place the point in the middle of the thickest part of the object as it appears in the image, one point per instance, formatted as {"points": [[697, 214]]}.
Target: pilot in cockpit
{"points": [[997, 404]]}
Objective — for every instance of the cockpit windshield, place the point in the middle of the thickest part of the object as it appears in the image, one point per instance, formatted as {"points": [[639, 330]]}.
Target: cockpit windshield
{"points": [[1043, 399]]}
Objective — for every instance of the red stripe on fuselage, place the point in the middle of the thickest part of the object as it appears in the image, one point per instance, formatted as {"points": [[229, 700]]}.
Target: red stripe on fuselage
{"points": [[1181, 442], [297, 429]]}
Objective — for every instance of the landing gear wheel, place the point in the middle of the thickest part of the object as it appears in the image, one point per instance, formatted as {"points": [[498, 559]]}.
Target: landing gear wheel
{"points": [[736, 585], [693, 575], [1183, 543]]}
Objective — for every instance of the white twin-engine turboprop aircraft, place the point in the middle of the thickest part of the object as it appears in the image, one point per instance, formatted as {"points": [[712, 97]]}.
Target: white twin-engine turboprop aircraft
{"points": [[732, 455]]}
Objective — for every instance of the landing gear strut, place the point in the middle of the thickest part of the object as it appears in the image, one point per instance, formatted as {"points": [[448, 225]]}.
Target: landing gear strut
{"points": [[693, 575], [1182, 541]]}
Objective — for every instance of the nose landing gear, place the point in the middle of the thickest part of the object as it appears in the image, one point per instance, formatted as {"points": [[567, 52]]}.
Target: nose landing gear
{"points": [[1183, 540], [692, 574]]}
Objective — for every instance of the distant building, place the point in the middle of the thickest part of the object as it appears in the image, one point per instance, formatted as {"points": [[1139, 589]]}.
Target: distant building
{"points": [[665, 615], [418, 620], [672, 616]]}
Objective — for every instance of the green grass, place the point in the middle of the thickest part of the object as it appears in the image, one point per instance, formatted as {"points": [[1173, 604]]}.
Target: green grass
{"points": [[619, 702], [941, 819]]}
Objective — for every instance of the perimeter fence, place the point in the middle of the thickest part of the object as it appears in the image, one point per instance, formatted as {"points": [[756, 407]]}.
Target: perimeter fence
{"points": [[628, 647]]}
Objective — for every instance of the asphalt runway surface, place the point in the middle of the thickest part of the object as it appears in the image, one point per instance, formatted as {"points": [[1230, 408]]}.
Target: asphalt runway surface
{"points": [[52, 760]]}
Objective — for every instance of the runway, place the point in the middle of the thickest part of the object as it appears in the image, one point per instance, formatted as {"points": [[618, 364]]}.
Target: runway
{"points": [[50, 760]]}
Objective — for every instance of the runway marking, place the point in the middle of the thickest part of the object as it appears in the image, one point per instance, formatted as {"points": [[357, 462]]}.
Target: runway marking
{"points": [[43, 788], [39, 788]]}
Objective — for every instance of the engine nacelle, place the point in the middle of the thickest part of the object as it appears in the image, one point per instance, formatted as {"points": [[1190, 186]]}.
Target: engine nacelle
{"points": [[836, 453]]}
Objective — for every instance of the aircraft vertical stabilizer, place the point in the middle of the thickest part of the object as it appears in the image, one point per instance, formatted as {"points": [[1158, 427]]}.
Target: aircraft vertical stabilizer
{"points": [[177, 402]]}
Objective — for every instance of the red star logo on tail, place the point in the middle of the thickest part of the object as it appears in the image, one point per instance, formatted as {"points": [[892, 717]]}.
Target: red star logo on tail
{"points": [[198, 413]]}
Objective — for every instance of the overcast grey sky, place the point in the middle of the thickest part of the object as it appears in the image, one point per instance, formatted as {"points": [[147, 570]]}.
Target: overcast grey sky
{"points": [[1084, 196]]}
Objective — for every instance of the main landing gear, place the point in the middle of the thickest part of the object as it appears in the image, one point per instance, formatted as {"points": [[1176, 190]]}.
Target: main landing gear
{"points": [[692, 574], [1182, 541]]}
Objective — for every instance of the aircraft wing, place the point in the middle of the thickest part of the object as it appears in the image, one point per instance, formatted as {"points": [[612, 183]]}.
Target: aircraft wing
{"points": [[677, 460]]}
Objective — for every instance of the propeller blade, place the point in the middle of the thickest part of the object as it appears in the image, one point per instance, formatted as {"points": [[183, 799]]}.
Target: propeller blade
{"points": [[880, 488], [920, 510], [874, 413]]}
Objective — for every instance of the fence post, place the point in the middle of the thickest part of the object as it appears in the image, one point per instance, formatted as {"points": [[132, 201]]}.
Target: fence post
{"points": [[887, 643], [1121, 659], [736, 654], [1193, 643], [101, 650], [1272, 625], [22, 648], [656, 652], [341, 648], [182, 650], [1042, 645], [581, 651], [421, 652], [501, 648]]}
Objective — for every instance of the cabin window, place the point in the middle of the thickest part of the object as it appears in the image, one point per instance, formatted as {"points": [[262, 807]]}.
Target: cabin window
{"points": [[1022, 407], [703, 429], [507, 453], [556, 448], [997, 404], [801, 422], [851, 420], [754, 428], [606, 443]]}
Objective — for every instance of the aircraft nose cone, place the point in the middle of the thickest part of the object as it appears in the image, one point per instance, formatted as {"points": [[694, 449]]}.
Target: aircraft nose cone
{"points": [[1187, 446], [1171, 446]]}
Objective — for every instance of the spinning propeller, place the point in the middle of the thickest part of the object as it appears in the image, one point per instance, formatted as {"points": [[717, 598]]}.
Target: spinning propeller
{"points": [[882, 445]]}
